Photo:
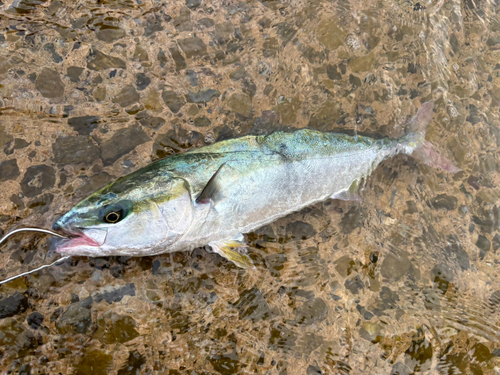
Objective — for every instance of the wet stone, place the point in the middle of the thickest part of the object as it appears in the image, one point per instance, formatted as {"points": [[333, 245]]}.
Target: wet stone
{"points": [[193, 47], [225, 364], [94, 362], [115, 295], [223, 32], [173, 102], [442, 275], [121, 143], [252, 305], [108, 33], [354, 285], [282, 338], [37, 179], [345, 265], [149, 121], [371, 331], [4, 137], [100, 61], [394, 266], [13, 305], [74, 73], [192, 77], [16, 336], [135, 364], [35, 320], [94, 183], [400, 368], [201, 121], [496, 242], [41, 204], [49, 84], [310, 312], [299, 230], [444, 201], [176, 140], [203, 96], [313, 370], [113, 328], [183, 21], [127, 96], [455, 251], [180, 62], [206, 22], [9, 170], [240, 103], [353, 218], [142, 81], [84, 125], [74, 150], [154, 25], [77, 318], [265, 124], [275, 264]]}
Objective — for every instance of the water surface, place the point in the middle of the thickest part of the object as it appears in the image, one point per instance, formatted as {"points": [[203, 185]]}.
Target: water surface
{"points": [[404, 281]]}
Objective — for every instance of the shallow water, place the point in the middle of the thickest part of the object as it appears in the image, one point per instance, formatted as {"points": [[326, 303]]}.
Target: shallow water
{"points": [[404, 281]]}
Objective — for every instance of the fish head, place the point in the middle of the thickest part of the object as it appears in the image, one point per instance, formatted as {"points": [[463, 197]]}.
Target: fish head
{"points": [[133, 216]]}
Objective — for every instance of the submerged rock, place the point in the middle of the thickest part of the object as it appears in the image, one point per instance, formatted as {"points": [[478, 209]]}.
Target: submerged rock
{"points": [[74, 150], [37, 179], [77, 318], [252, 305], [49, 84], [9, 170], [394, 266], [121, 143], [84, 125], [13, 305]]}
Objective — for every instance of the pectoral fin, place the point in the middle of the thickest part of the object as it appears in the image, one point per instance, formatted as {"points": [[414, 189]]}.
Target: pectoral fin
{"points": [[234, 251], [212, 190]]}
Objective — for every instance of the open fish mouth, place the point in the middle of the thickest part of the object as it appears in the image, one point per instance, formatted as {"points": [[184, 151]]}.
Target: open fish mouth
{"points": [[82, 241]]}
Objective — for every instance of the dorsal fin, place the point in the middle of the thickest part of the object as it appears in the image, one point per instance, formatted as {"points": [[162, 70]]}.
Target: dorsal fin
{"points": [[212, 189]]}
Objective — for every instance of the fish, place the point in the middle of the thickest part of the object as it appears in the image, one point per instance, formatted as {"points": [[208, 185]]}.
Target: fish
{"points": [[213, 195]]}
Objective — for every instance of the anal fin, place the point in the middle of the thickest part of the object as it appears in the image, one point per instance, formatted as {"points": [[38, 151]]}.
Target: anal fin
{"points": [[233, 250]]}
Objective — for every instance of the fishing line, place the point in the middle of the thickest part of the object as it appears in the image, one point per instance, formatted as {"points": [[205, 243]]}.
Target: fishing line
{"points": [[38, 230]]}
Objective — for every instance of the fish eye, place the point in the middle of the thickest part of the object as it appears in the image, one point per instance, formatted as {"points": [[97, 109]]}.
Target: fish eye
{"points": [[112, 217], [115, 212]]}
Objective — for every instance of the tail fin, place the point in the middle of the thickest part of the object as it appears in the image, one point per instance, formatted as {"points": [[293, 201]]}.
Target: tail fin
{"points": [[424, 151]]}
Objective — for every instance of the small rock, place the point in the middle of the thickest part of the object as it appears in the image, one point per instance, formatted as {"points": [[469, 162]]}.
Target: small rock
{"points": [[240, 103], [313, 370], [127, 96], [252, 305], [74, 150], [100, 61], [142, 81], [394, 266], [9, 170], [35, 320], [484, 246], [180, 62], [84, 125], [150, 121], [192, 77], [13, 305], [353, 218], [300, 230], [114, 295], [371, 331], [193, 47], [121, 143], [354, 285], [113, 328], [94, 183], [108, 33], [193, 4], [77, 318], [37, 179], [203, 96], [49, 84], [444, 201], [42, 203], [135, 364], [400, 368], [310, 312], [201, 121], [442, 275], [173, 101], [74, 73]]}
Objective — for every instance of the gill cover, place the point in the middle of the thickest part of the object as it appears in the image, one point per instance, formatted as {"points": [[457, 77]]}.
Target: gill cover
{"points": [[176, 209]]}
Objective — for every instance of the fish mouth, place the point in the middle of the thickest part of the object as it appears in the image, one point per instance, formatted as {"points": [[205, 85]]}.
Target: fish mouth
{"points": [[81, 241]]}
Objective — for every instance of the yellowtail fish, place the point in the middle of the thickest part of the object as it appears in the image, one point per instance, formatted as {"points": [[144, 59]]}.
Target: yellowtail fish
{"points": [[214, 194]]}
